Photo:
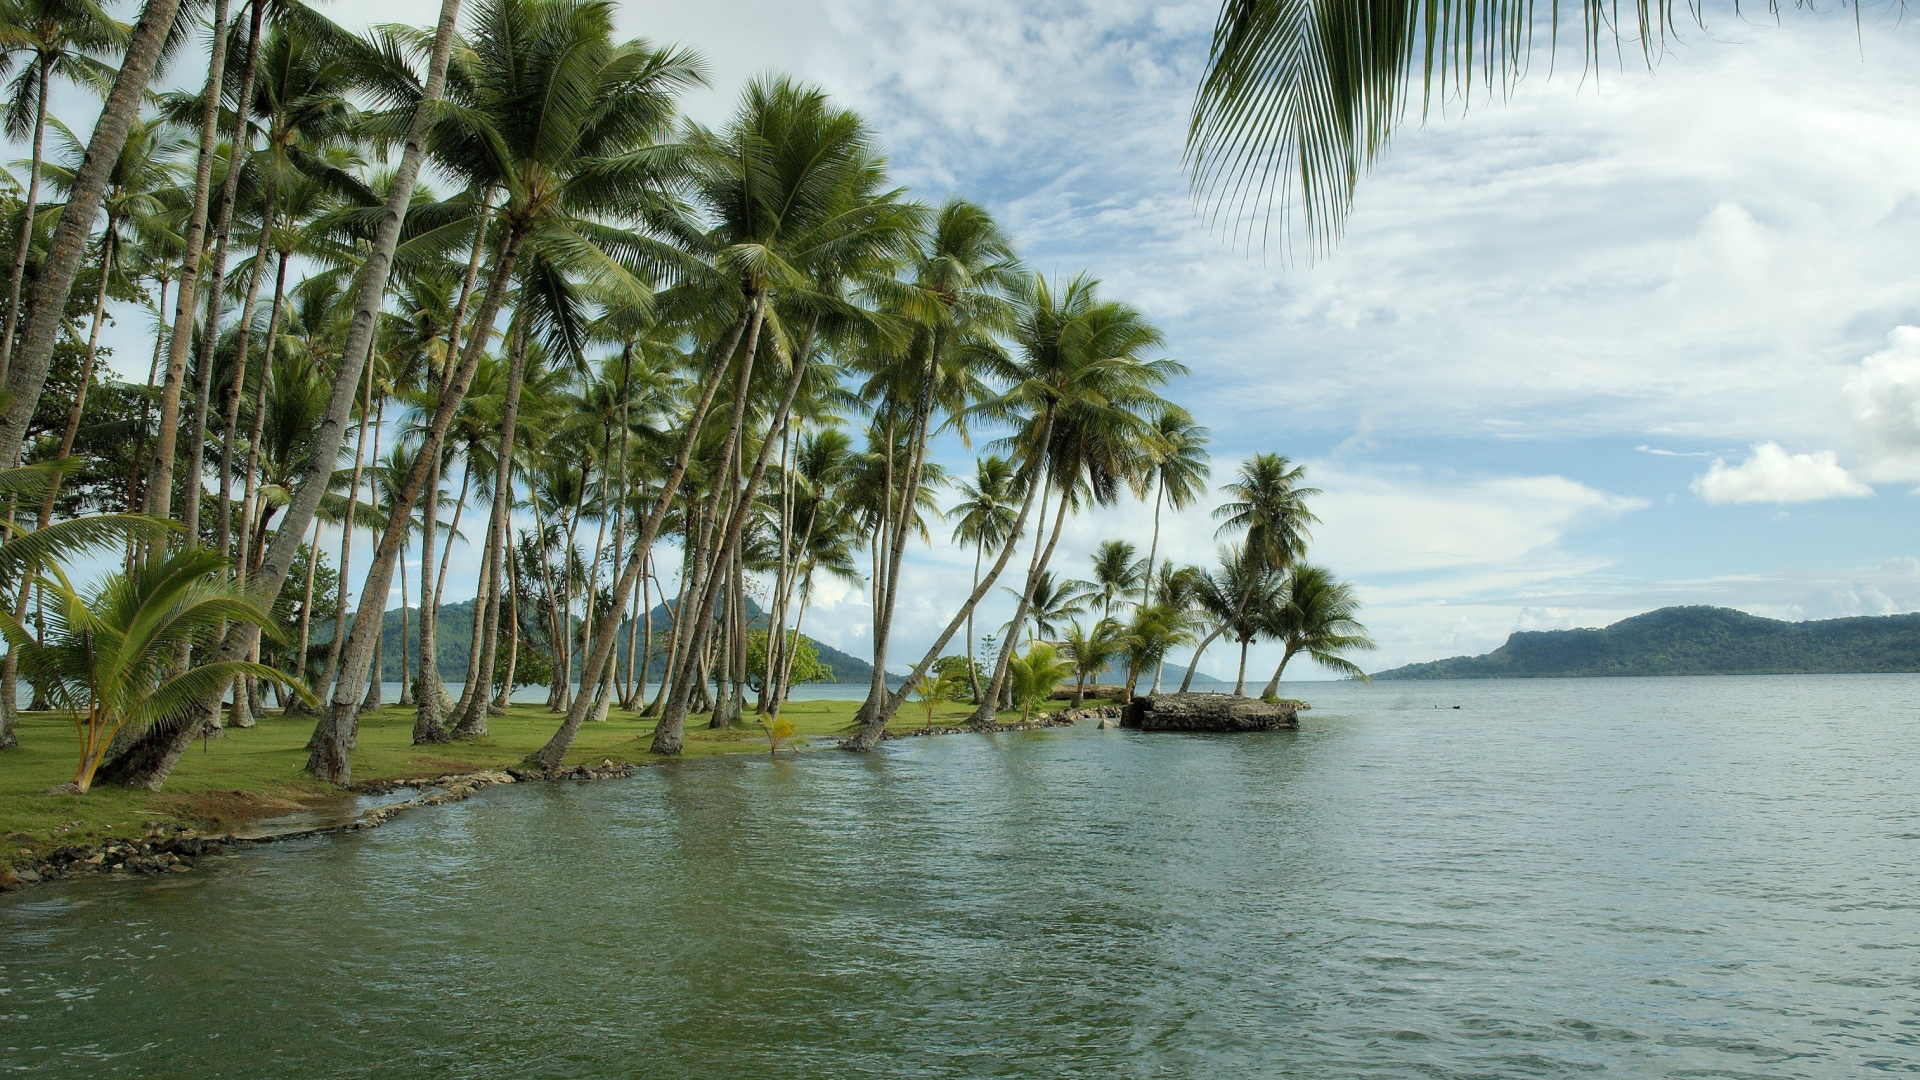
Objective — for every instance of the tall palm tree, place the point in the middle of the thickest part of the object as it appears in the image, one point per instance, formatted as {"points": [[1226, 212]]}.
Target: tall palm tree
{"points": [[54, 39], [1179, 475], [798, 189], [1314, 613], [985, 516], [1080, 370]]}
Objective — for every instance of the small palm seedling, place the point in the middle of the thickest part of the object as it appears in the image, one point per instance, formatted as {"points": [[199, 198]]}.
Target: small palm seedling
{"points": [[108, 655]]}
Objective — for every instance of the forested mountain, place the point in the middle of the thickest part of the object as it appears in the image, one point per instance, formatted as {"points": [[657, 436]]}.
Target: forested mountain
{"points": [[455, 637], [1692, 641]]}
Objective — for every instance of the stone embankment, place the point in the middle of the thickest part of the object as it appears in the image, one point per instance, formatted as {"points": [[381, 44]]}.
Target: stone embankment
{"points": [[1208, 712], [1061, 719], [171, 849]]}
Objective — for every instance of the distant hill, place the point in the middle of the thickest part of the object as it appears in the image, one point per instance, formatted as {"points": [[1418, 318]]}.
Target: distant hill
{"points": [[456, 636], [1692, 641]]}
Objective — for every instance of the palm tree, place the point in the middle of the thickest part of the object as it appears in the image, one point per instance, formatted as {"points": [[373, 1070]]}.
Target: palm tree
{"points": [[1036, 675], [1080, 373], [956, 295], [1117, 571], [1093, 651], [56, 38], [1235, 599], [1155, 630], [1314, 613], [1050, 602], [797, 189], [986, 517], [1179, 475], [109, 657], [26, 370]]}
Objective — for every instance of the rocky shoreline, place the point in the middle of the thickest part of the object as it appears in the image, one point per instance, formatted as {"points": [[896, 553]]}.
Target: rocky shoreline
{"points": [[171, 848]]}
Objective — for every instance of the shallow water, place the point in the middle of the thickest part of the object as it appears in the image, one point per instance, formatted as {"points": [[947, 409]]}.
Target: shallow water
{"points": [[1679, 877]]}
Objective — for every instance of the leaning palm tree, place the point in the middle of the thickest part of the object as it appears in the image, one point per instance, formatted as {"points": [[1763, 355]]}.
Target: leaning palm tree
{"points": [[1300, 97], [108, 658], [1314, 613]]}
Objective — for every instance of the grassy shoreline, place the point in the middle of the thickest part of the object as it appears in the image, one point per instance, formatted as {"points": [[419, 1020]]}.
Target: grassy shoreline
{"points": [[260, 771]]}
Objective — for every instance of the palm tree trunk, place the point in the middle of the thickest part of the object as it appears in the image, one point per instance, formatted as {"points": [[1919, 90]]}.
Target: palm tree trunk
{"points": [[984, 715], [247, 508], [1273, 684], [1240, 682], [473, 724], [406, 677], [428, 727], [329, 760], [186, 303], [1153, 551], [238, 388], [26, 370], [476, 634], [667, 735], [346, 543], [136, 474], [238, 148], [1193, 665], [25, 247]]}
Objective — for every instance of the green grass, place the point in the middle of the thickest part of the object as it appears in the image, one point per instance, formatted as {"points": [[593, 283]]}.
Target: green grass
{"points": [[260, 771]]}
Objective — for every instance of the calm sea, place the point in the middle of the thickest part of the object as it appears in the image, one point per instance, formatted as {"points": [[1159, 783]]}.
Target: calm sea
{"points": [[1642, 878]]}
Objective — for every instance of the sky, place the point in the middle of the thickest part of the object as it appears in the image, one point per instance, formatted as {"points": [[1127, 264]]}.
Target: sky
{"points": [[1626, 339]]}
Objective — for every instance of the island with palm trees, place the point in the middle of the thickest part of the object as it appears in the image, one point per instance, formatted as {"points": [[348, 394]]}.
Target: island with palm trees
{"points": [[475, 311]]}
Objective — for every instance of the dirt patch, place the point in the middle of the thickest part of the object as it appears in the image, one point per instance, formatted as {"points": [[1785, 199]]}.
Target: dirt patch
{"points": [[225, 806]]}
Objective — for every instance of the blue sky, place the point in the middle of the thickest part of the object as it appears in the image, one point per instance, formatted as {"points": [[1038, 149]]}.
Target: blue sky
{"points": [[1618, 342]]}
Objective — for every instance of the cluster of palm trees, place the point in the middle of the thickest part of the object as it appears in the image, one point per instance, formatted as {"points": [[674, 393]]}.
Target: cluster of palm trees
{"points": [[487, 285], [1142, 609]]}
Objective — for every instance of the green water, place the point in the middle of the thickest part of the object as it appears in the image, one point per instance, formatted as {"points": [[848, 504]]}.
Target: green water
{"points": [[1659, 878]]}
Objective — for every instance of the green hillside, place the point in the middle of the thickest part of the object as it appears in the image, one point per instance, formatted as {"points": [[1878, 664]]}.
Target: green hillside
{"points": [[456, 635], [1692, 641]]}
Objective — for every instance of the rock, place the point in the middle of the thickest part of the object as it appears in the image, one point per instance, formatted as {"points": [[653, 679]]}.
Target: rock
{"points": [[29, 876], [9, 880], [180, 868], [1106, 723], [1207, 712]]}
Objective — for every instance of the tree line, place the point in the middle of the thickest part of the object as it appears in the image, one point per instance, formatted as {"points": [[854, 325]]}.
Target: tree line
{"points": [[488, 284]]}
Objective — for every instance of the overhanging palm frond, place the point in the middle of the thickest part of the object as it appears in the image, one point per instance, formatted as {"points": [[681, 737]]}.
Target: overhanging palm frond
{"points": [[63, 538], [1300, 97]]}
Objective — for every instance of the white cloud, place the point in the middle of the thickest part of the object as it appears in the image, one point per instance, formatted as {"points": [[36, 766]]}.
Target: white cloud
{"points": [[1773, 475], [1885, 396]]}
